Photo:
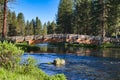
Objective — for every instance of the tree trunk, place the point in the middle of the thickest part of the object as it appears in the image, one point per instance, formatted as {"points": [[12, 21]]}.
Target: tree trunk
{"points": [[104, 13], [4, 20], [102, 16]]}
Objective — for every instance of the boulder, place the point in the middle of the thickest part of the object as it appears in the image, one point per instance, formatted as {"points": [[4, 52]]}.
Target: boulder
{"points": [[62, 61], [59, 61]]}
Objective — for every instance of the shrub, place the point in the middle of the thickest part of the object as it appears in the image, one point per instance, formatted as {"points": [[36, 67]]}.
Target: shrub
{"points": [[109, 45], [9, 55], [28, 66], [10, 68]]}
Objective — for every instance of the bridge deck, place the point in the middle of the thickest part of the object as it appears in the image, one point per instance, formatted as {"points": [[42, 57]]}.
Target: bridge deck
{"points": [[60, 38]]}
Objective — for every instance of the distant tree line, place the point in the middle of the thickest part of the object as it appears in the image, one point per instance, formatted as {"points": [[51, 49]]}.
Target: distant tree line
{"points": [[89, 17], [17, 26]]}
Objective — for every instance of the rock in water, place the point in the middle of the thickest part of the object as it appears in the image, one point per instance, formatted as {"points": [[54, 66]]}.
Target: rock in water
{"points": [[62, 61], [59, 61]]}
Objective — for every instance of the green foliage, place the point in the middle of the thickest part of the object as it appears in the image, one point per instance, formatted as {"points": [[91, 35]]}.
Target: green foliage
{"points": [[27, 48], [44, 29], [58, 77], [39, 75], [51, 27], [9, 55], [20, 24], [33, 27], [12, 30], [109, 45], [28, 66], [38, 26], [104, 45], [64, 16], [82, 17], [27, 28], [10, 68], [91, 17], [83, 45]]}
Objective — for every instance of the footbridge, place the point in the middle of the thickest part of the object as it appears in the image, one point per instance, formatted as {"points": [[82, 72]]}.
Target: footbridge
{"points": [[34, 39]]}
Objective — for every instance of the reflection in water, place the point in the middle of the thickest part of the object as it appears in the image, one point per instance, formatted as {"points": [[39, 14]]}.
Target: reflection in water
{"points": [[81, 63], [111, 52]]}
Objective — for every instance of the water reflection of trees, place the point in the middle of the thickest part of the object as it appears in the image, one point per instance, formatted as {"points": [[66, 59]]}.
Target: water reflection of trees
{"points": [[111, 52], [114, 53], [88, 52], [44, 48]]}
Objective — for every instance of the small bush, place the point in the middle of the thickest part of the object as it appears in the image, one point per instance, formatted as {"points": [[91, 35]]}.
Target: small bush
{"points": [[9, 55], [109, 45], [28, 66]]}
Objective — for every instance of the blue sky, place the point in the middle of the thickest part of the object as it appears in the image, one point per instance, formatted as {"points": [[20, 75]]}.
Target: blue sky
{"points": [[46, 10]]}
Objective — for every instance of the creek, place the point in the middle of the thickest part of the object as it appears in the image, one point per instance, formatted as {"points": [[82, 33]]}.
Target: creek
{"points": [[81, 63]]}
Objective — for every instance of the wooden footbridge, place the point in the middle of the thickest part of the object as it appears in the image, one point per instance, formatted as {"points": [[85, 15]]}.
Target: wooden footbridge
{"points": [[34, 39]]}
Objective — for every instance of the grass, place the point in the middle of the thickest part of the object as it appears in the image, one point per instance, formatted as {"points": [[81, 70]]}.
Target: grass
{"points": [[36, 75]]}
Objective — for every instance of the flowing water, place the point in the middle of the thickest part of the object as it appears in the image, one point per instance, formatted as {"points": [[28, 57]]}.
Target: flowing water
{"points": [[81, 64]]}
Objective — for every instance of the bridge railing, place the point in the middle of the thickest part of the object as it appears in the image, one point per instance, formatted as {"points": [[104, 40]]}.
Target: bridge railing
{"points": [[68, 36]]}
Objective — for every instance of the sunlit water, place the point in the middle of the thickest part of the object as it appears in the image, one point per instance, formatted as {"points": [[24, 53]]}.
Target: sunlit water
{"points": [[81, 64]]}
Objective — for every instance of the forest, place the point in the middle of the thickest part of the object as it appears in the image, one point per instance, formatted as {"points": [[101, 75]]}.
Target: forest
{"points": [[86, 17], [89, 17]]}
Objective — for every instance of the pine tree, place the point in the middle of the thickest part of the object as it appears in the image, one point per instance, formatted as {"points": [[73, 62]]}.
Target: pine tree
{"points": [[98, 17], [49, 28], [113, 17], [12, 30], [94, 18], [27, 28], [38, 26], [9, 16], [14, 19], [31, 27], [12, 23], [4, 28], [64, 16], [105, 16], [81, 16], [53, 26], [4, 19], [44, 29], [1, 17], [20, 24]]}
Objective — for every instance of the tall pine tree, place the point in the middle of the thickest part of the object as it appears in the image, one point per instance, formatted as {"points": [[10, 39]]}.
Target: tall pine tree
{"points": [[81, 16], [20, 24], [64, 16], [44, 29], [38, 26]]}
